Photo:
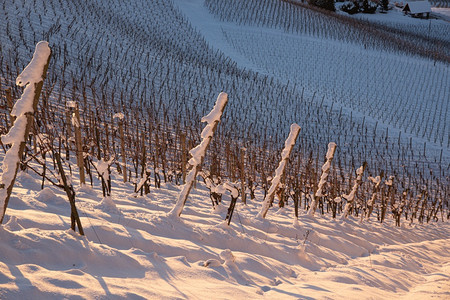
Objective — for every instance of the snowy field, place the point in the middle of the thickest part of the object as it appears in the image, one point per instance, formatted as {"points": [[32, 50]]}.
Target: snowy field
{"points": [[369, 82], [133, 250], [443, 13], [180, 54], [409, 94]]}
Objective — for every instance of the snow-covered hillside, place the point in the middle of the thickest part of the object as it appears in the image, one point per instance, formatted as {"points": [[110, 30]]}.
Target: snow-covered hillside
{"points": [[390, 87], [144, 73]]}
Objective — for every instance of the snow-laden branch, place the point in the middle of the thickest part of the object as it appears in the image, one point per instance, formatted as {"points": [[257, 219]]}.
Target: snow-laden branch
{"points": [[32, 79], [288, 146], [198, 153]]}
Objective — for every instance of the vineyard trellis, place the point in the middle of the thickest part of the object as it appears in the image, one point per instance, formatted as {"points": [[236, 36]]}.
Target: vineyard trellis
{"points": [[164, 107]]}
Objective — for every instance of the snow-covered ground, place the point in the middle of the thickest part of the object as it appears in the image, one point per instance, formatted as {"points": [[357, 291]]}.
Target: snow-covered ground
{"points": [[442, 12], [133, 250]]}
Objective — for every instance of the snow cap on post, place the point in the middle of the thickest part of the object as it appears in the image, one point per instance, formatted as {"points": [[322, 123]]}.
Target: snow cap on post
{"points": [[213, 118], [331, 149], [71, 104], [33, 71], [119, 116], [351, 196], [215, 114], [31, 75], [290, 141], [323, 178]]}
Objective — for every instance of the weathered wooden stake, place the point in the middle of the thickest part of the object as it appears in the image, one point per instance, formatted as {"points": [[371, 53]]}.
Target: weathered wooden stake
{"points": [[74, 217], [323, 179], [375, 192], [198, 153], [183, 156], [122, 150], [16, 153], [351, 197], [242, 169], [68, 134], [279, 172], [9, 103], [79, 144]]}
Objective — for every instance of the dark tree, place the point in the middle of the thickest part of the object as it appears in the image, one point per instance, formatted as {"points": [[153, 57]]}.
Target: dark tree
{"points": [[368, 7], [351, 7], [325, 4], [384, 4]]}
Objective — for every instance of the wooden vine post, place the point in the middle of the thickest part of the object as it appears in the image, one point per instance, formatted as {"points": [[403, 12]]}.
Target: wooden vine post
{"points": [[390, 194], [9, 103], [120, 116], [351, 197], [279, 172], [74, 217], [183, 156], [69, 133], [198, 153], [323, 179], [234, 195], [242, 171], [376, 189], [32, 78], [78, 142]]}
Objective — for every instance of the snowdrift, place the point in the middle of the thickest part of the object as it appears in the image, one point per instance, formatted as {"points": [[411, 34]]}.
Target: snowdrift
{"points": [[132, 249]]}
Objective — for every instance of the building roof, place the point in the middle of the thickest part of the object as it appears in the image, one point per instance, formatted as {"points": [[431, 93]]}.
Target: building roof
{"points": [[417, 7]]}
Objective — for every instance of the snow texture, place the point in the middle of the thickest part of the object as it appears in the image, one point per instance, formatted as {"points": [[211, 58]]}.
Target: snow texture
{"points": [[130, 242]]}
